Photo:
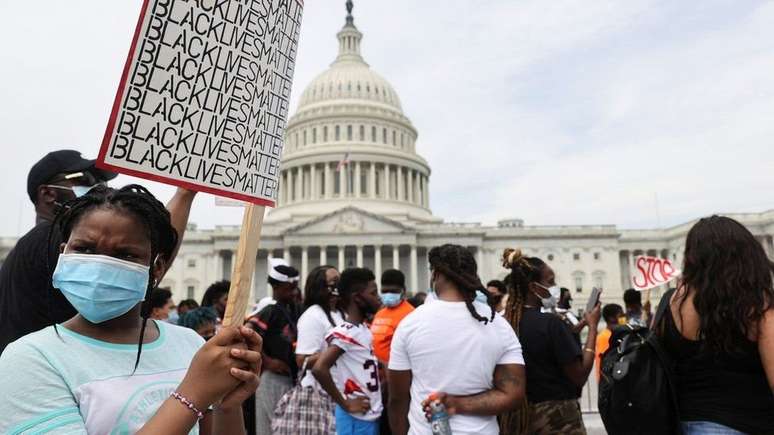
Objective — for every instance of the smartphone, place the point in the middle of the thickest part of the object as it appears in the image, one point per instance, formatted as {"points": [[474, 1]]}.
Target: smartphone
{"points": [[594, 299]]}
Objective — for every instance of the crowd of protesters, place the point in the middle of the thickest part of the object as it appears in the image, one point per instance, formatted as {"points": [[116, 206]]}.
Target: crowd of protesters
{"points": [[91, 344]]}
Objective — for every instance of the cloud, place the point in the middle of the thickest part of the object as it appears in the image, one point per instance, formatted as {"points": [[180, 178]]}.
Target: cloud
{"points": [[564, 112]]}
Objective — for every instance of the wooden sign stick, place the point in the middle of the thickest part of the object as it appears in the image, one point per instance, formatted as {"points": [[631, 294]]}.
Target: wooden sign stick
{"points": [[244, 266]]}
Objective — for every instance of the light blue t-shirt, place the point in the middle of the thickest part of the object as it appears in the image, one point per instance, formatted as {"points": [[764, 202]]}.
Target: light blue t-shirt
{"points": [[72, 384]]}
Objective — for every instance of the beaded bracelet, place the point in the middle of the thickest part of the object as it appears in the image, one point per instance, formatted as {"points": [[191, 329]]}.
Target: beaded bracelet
{"points": [[188, 404]]}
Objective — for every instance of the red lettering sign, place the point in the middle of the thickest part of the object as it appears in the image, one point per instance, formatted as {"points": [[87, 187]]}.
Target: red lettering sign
{"points": [[652, 272]]}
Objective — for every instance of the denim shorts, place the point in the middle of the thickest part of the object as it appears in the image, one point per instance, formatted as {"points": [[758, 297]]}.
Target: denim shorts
{"points": [[349, 425], [707, 428]]}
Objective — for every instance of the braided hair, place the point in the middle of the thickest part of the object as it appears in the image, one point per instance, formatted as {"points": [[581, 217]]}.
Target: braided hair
{"points": [[524, 271], [458, 265], [145, 208]]}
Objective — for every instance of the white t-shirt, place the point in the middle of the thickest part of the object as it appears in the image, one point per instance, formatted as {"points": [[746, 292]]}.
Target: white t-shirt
{"points": [[357, 370], [449, 351], [313, 326], [69, 383]]}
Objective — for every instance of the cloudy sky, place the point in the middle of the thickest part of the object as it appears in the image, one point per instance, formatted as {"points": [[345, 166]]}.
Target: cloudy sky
{"points": [[638, 113]]}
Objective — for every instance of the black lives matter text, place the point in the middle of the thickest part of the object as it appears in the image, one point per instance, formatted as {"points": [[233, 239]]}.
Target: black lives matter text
{"points": [[206, 97]]}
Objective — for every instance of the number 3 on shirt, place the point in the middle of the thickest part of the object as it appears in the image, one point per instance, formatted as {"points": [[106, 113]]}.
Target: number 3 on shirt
{"points": [[370, 365]]}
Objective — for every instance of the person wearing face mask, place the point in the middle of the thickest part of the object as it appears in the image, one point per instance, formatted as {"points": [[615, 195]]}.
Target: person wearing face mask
{"points": [[28, 302], [110, 368], [386, 321], [354, 385], [395, 308], [556, 367], [161, 305]]}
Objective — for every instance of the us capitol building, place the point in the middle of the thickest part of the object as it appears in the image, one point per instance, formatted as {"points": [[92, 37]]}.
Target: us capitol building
{"points": [[374, 211]]}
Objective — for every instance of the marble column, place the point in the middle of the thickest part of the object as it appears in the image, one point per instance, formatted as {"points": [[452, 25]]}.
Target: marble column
{"points": [[342, 259], [286, 254], [343, 181], [372, 182], [400, 185], [410, 190], [357, 186], [323, 255], [378, 262], [313, 190], [427, 192], [328, 181], [480, 258], [359, 256], [304, 264], [396, 257], [414, 267], [386, 187]]}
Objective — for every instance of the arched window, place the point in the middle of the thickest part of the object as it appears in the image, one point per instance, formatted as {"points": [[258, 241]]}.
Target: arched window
{"points": [[394, 142], [373, 134], [325, 134], [314, 135], [598, 277], [384, 136], [338, 133], [362, 133], [349, 132], [304, 137]]}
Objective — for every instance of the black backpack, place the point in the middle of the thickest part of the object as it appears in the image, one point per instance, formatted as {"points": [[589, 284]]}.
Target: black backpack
{"points": [[637, 390]]}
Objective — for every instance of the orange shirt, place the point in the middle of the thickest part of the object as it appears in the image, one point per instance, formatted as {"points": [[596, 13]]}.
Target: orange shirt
{"points": [[603, 343], [385, 323]]}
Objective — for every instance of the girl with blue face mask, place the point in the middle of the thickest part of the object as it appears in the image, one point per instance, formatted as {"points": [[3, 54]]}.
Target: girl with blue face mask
{"points": [[91, 374]]}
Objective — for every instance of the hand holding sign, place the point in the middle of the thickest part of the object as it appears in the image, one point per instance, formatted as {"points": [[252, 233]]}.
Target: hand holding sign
{"points": [[652, 272]]}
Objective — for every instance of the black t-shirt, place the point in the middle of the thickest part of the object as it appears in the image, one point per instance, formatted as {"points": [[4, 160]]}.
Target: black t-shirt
{"points": [[28, 302], [278, 326], [548, 345]]}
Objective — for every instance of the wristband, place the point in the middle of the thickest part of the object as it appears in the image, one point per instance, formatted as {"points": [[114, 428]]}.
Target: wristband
{"points": [[591, 351], [188, 404]]}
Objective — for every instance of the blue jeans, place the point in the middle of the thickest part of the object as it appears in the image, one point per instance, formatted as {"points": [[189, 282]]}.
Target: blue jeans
{"points": [[707, 428], [349, 425]]}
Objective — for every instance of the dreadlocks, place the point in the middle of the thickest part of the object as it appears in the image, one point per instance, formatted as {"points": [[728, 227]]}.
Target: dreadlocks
{"points": [[143, 206], [524, 270], [457, 264]]}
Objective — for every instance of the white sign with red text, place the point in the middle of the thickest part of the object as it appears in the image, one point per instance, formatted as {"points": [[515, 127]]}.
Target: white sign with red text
{"points": [[650, 272]]}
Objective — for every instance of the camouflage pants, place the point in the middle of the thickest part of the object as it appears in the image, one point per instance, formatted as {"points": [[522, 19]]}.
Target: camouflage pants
{"points": [[556, 417]]}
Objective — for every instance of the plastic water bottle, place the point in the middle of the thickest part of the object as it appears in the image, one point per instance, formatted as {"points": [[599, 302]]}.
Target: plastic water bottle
{"points": [[439, 418]]}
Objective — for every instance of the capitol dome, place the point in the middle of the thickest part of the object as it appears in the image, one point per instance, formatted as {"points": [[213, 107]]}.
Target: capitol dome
{"points": [[349, 144]]}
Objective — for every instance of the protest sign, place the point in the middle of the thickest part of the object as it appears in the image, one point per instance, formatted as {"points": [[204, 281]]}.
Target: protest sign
{"points": [[203, 103], [652, 272], [204, 96]]}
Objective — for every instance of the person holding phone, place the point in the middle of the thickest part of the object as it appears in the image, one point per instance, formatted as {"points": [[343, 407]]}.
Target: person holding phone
{"points": [[556, 367]]}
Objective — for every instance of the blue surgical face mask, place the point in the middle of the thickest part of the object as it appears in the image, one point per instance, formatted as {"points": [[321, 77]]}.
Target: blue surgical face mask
{"points": [[173, 317], [391, 299], [80, 191], [100, 287], [481, 297]]}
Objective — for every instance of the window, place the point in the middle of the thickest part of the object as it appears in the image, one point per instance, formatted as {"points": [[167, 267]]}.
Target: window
{"points": [[576, 256], [363, 183], [189, 292], [336, 184], [325, 134], [362, 133], [373, 134], [349, 132], [314, 135], [402, 140], [338, 133], [304, 137], [597, 256], [578, 284], [599, 280], [550, 257], [394, 142], [191, 262], [384, 135]]}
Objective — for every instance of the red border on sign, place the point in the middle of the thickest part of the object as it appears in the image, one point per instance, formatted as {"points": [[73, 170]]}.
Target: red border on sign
{"points": [[148, 176]]}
